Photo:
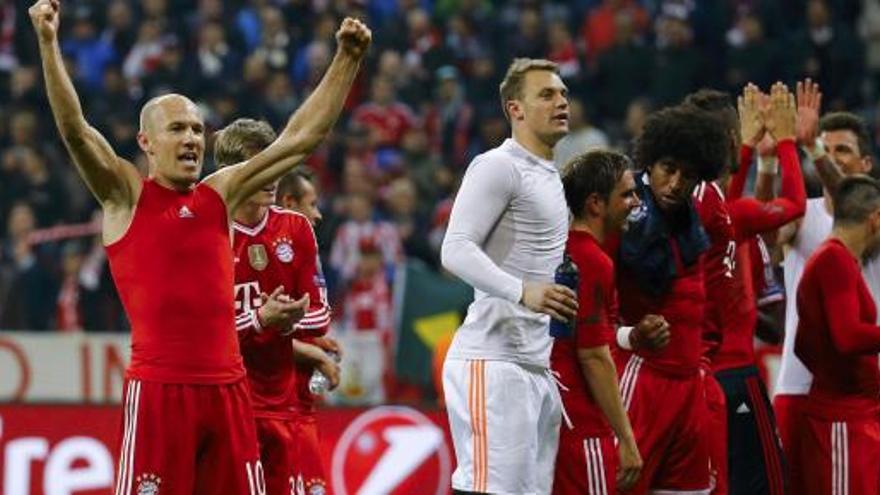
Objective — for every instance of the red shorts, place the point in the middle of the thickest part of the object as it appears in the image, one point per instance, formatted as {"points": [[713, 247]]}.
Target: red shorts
{"points": [[790, 420], [717, 431], [291, 457], [308, 459], [669, 417], [585, 466], [840, 457], [188, 439]]}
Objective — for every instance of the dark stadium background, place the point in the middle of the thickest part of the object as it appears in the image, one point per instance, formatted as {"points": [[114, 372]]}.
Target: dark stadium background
{"points": [[423, 106]]}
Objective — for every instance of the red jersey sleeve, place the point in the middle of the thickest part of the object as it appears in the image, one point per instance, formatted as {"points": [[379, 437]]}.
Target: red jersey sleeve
{"points": [[597, 303], [838, 276], [738, 182], [753, 217], [310, 279]]}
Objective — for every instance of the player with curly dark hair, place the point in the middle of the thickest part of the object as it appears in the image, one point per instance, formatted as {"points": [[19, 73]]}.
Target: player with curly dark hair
{"points": [[660, 271]]}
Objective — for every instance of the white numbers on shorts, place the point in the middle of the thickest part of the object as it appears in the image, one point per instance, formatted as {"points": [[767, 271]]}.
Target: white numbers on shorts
{"points": [[256, 482], [297, 487]]}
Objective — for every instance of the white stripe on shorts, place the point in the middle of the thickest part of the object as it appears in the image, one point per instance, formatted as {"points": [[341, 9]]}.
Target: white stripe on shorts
{"points": [[125, 475], [595, 467], [629, 378], [839, 459]]}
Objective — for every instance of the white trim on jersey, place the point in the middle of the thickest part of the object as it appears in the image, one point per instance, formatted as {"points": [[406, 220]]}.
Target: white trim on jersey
{"points": [[248, 320], [252, 231], [125, 473], [315, 319]]}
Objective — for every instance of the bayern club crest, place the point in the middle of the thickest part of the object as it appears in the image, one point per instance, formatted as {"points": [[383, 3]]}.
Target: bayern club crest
{"points": [[284, 250], [148, 484]]}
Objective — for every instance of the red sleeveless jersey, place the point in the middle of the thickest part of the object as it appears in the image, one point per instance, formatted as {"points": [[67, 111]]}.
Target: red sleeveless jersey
{"points": [[280, 250], [174, 272]]}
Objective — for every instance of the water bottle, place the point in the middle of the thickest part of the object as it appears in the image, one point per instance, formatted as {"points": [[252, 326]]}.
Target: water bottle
{"points": [[319, 383], [567, 275]]}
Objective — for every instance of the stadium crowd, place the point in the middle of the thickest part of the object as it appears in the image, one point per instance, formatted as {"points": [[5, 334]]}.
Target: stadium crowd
{"points": [[424, 106]]}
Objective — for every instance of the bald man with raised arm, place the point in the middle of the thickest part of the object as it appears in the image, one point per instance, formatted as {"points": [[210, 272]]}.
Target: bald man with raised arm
{"points": [[188, 426]]}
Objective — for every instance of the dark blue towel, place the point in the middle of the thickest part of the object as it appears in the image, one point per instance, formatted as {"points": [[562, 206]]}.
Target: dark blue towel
{"points": [[645, 249]]}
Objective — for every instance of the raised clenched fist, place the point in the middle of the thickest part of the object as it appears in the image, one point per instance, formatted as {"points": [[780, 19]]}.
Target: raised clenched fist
{"points": [[354, 37], [45, 16]]}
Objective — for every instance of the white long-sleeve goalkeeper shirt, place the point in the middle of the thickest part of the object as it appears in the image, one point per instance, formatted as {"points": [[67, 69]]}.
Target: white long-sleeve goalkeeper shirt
{"points": [[509, 224]]}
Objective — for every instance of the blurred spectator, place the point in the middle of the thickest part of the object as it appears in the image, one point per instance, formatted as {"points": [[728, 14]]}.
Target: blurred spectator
{"points": [[401, 208], [869, 29], [276, 46], [677, 63], [528, 40], [217, 60], [33, 286], [582, 135], [829, 54], [146, 52], [450, 120], [32, 181], [90, 52], [361, 227], [624, 70], [599, 27], [171, 73], [751, 57], [561, 50], [385, 118], [120, 30]]}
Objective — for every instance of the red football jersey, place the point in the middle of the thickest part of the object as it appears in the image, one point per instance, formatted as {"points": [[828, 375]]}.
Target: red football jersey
{"points": [[837, 336], [720, 263], [750, 218], [174, 273], [597, 314], [683, 306], [280, 250]]}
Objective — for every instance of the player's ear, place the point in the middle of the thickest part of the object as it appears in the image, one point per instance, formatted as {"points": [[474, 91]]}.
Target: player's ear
{"points": [[514, 109], [594, 205], [143, 142]]}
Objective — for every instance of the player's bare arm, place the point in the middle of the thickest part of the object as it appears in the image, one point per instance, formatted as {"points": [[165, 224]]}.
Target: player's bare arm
{"points": [[316, 357], [306, 129], [113, 181], [601, 375]]}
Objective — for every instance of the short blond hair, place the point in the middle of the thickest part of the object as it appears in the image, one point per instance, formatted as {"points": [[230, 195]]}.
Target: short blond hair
{"points": [[241, 140], [512, 86]]}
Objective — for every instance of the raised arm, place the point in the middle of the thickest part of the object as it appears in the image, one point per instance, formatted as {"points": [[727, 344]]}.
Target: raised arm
{"points": [[307, 127], [113, 181]]}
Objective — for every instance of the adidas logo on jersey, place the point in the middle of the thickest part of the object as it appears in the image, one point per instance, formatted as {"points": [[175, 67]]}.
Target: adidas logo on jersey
{"points": [[743, 409], [185, 212]]}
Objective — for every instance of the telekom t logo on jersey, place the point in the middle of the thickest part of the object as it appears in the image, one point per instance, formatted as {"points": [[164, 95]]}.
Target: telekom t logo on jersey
{"points": [[247, 296]]}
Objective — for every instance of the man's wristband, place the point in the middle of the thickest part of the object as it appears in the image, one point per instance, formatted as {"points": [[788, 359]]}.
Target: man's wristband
{"points": [[623, 334], [768, 165]]}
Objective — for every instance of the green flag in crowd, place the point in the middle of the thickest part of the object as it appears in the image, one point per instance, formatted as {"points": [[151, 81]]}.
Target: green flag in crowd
{"points": [[430, 307]]}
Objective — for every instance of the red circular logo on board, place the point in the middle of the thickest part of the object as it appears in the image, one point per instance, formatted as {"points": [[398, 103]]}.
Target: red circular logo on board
{"points": [[391, 450]]}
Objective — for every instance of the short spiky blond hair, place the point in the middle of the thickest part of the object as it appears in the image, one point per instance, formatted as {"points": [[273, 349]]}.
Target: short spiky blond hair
{"points": [[241, 140], [512, 85]]}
